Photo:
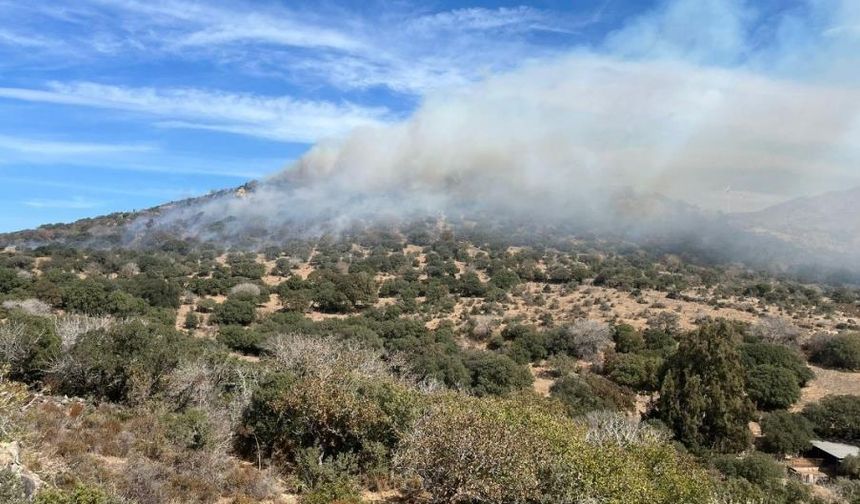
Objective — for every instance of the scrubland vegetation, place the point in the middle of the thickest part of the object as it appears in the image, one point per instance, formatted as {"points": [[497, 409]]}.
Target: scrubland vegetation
{"points": [[422, 366]]}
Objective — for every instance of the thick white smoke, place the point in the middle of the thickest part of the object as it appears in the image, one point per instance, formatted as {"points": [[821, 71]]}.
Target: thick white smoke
{"points": [[691, 102], [564, 128]]}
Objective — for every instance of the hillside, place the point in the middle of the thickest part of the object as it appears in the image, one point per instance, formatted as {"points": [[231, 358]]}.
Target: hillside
{"points": [[348, 367], [826, 224], [112, 229]]}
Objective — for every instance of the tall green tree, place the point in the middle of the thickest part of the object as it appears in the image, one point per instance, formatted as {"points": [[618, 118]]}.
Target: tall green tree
{"points": [[702, 397]]}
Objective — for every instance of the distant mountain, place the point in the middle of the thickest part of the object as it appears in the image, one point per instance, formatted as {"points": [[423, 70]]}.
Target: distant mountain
{"points": [[827, 225]]}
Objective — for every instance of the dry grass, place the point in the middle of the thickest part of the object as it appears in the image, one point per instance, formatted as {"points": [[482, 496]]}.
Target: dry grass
{"points": [[542, 380], [828, 382]]}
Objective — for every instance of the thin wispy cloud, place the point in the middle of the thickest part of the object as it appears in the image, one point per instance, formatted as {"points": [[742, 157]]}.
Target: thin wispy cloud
{"points": [[164, 193], [11, 38], [17, 150], [74, 203], [515, 19], [273, 117], [398, 48], [48, 148]]}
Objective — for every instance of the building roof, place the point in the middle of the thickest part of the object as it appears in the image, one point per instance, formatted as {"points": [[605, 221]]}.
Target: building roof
{"points": [[836, 450]]}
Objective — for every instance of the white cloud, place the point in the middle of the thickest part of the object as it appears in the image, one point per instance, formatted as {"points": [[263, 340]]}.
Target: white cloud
{"points": [[73, 203], [47, 148], [16, 151], [277, 118], [395, 47], [160, 193], [8, 37], [520, 18]]}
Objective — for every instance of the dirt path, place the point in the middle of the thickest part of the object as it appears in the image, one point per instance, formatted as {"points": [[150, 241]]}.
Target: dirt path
{"points": [[181, 313]]}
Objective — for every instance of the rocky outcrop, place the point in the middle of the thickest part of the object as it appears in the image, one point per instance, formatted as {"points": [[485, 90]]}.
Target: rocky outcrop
{"points": [[10, 459]]}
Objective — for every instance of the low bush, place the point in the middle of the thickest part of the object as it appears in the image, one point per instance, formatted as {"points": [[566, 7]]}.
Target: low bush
{"points": [[583, 338], [495, 374], [589, 392], [636, 371], [836, 417], [785, 433], [28, 346], [192, 321], [81, 494], [627, 339], [235, 311], [514, 450], [840, 352], [123, 362], [11, 488], [772, 387], [757, 354], [850, 467], [757, 468], [240, 339], [328, 399]]}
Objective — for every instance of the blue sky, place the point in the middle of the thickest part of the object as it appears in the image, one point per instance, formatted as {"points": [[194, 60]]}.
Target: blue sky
{"points": [[110, 105]]}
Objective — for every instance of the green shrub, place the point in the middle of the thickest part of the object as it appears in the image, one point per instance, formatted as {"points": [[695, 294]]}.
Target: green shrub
{"points": [[297, 300], [589, 392], [240, 339], [848, 490], [342, 293], [756, 354], [246, 267], [499, 451], [440, 363], [88, 296], [836, 417], [526, 343], [81, 494], [235, 311], [192, 321], [741, 490], [772, 387], [126, 358], [157, 291], [850, 467], [30, 345], [841, 352], [10, 280], [123, 304], [337, 492], [338, 413], [785, 433], [627, 339], [659, 340], [638, 372], [495, 374], [505, 279], [206, 305], [470, 285], [757, 468], [190, 429]]}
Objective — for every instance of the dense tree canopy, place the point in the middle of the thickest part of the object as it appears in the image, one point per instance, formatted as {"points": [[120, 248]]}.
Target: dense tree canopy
{"points": [[702, 397]]}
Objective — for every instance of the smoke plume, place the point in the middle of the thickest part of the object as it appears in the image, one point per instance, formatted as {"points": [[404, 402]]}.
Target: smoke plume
{"points": [[702, 103]]}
